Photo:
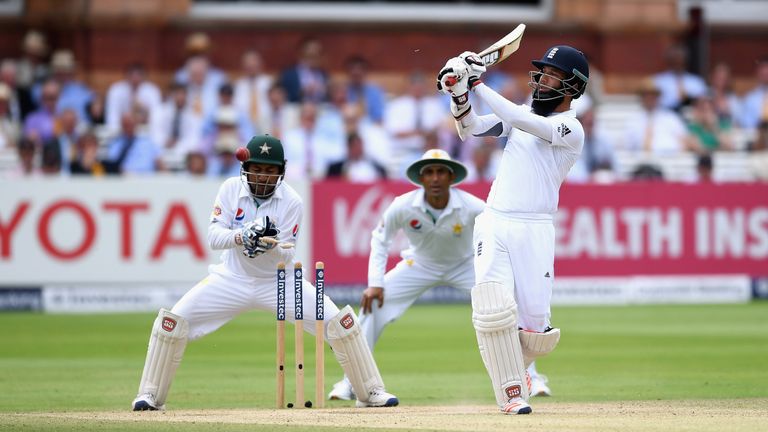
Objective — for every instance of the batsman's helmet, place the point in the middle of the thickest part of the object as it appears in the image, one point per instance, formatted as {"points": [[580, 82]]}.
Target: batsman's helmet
{"points": [[571, 61], [263, 149]]}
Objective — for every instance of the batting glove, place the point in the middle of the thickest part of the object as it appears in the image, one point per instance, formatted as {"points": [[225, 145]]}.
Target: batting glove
{"points": [[475, 67]]}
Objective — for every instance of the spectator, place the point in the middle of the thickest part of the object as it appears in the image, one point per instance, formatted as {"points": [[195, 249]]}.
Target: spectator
{"points": [[656, 130], [677, 86], [376, 141], [308, 149], [357, 167], [223, 162], [28, 166], [755, 105], [131, 153], [411, 116], [251, 91], [226, 122], [202, 88], [758, 153], [196, 164], [704, 168], [86, 161], [281, 116], [361, 91], [9, 127], [597, 156], [124, 95], [226, 103], [647, 172], [50, 164], [67, 135], [39, 124], [32, 68], [306, 80], [174, 127], [726, 102], [484, 160], [197, 49], [96, 114], [709, 132], [73, 93], [20, 102]]}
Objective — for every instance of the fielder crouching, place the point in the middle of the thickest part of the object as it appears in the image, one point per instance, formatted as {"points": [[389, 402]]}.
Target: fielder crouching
{"points": [[249, 209], [514, 238]]}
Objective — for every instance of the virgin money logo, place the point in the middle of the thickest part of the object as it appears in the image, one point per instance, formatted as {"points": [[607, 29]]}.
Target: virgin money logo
{"points": [[353, 220]]}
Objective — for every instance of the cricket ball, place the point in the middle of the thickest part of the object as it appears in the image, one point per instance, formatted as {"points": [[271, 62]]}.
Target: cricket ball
{"points": [[242, 154]]}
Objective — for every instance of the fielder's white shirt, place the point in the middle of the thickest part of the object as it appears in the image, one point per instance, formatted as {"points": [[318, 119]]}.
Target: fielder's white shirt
{"points": [[537, 157], [441, 243], [235, 207]]}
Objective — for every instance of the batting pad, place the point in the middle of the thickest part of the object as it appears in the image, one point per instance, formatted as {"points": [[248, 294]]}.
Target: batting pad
{"points": [[352, 352], [494, 315], [537, 344], [166, 348]]}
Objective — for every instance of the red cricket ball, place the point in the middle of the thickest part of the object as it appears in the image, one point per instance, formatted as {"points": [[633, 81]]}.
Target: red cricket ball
{"points": [[242, 154]]}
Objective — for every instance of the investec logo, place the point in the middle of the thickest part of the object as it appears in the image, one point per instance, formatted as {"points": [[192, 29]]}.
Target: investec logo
{"points": [[491, 58]]}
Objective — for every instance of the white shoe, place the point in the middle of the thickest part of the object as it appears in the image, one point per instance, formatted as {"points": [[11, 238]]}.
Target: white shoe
{"points": [[539, 386], [146, 402], [516, 406], [342, 390], [378, 398]]}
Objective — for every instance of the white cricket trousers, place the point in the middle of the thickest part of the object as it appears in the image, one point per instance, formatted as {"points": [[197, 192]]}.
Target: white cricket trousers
{"points": [[407, 282], [519, 252], [220, 297]]}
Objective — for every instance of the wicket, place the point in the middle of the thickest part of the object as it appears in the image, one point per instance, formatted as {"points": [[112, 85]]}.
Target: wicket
{"points": [[299, 335]]}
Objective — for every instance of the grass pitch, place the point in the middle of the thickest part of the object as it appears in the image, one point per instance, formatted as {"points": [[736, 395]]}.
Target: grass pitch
{"points": [[663, 355]]}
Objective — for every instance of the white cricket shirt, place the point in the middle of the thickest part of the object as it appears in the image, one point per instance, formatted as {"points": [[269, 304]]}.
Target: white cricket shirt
{"points": [[443, 242], [537, 157], [235, 207]]}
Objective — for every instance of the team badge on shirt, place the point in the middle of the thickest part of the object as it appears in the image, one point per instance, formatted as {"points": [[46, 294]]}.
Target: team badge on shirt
{"points": [[240, 215], [457, 229], [216, 210], [415, 224]]}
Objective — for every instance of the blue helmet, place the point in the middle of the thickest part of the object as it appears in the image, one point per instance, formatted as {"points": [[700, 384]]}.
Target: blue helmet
{"points": [[571, 61]]}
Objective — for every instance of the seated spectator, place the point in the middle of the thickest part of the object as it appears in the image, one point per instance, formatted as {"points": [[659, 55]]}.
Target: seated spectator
{"points": [[226, 103], [360, 90], [96, 114], [710, 133], [50, 161], [124, 95], [754, 108], [32, 67], [281, 115], [357, 167], [197, 49], [20, 102], [29, 161], [647, 172], [131, 153], [251, 91], [174, 127], [86, 160], [726, 102], [67, 135], [484, 161], [306, 80], [73, 93], [39, 124], [597, 154], [678, 87], [9, 128], [202, 86], [704, 168], [656, 130], [225, 123], [223, 162], [308, 149], [195, 164], [758, 153], [375, 138]]}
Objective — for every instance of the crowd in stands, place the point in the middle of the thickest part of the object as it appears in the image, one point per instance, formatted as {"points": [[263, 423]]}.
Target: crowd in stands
{"points": [[344, 126]]}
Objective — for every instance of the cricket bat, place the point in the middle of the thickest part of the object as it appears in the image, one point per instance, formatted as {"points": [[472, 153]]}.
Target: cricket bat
{"points": [[499, 51]]}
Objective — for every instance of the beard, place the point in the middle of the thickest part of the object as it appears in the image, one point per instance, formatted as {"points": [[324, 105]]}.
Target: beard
{"points": [[546, 107]]}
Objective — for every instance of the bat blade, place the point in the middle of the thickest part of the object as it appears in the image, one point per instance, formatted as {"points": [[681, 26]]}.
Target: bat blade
{"points": [[502, 49]]}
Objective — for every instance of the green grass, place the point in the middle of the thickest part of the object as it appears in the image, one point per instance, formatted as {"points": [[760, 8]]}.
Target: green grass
{"points": [[430, 356]]}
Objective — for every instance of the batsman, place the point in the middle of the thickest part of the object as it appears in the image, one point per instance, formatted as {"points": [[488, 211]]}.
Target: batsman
{"points": [[514, 238], [251, 215]]}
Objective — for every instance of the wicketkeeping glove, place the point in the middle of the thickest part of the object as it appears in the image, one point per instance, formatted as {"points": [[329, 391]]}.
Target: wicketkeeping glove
{"points": [[252, 234]]}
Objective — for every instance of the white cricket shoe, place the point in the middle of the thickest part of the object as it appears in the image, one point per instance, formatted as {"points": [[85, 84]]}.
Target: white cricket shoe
{"points": [[378, 398], [146, 402], [516, 406], [539, 386], [342, 390]]}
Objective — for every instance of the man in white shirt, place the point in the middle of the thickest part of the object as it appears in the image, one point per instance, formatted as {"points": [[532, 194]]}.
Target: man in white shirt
{"points": [[249, 208], [123, 96], [438, 221], [514, 237]]}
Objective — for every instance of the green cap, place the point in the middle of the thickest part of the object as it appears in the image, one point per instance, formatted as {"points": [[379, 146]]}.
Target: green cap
{"points": [[435, 157], [265, 149]]}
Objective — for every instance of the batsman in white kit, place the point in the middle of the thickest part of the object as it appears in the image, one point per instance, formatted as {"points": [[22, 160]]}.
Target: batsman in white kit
{"points": [[251, 214], [514, 238], [438, 221]]}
